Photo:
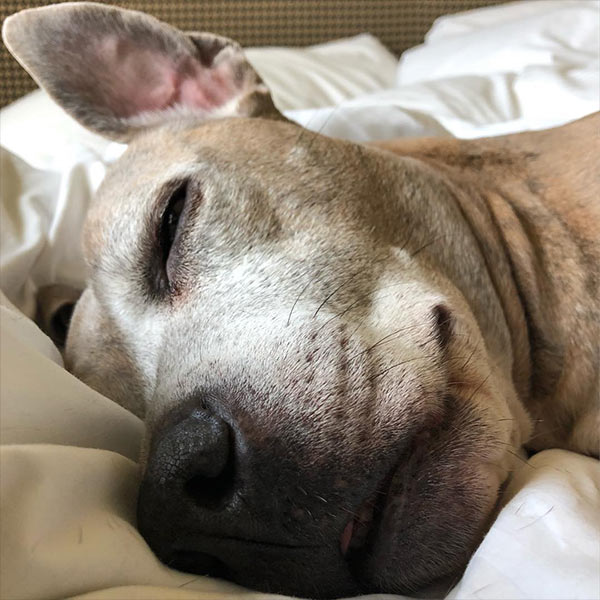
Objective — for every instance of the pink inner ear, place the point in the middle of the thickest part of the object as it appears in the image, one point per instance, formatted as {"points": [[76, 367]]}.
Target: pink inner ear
{"points": [[140, 79]]}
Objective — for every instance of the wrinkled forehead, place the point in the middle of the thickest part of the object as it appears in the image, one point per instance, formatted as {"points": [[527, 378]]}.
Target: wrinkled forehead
{"points": [[247, 143], [280, 162], [271, 151]]}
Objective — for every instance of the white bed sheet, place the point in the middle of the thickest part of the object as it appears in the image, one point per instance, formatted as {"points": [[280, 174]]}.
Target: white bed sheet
{"points": [[68, 475]]}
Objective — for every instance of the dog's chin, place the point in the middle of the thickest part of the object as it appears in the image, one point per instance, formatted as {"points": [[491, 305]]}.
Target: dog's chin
{"points": [[417, 529], [415, 534], [394, 542]]}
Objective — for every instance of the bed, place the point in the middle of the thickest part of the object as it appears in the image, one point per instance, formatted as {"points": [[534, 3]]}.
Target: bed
{"points": [[68, 472]]}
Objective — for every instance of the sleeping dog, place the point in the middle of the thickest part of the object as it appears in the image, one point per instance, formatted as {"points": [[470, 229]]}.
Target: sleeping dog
{"points": [[339, 350]]}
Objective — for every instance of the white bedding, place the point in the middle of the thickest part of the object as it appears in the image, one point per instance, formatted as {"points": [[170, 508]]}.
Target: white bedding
{"points": [[68, 475]]}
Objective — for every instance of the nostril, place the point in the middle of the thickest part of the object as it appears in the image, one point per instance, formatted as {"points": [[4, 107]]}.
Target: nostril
{"points": [[212, 492], [194, 458]]}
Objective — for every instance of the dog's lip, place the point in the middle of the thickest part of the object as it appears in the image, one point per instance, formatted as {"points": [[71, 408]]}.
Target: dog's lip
{"points": [[361, 528], [253, 542], [358, 526]]}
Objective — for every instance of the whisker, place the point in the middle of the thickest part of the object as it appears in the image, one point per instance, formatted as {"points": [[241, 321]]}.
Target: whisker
{"points": [[424, 246], [328, 118], [296, 302], [358, 301], [360, 324], [316, 134], [364, 297], [382, 341], [188, 582], [330, 391], [469, 359], [350, 512], [479, 386], [454, 581], [404, 362], [389, 337], [304, 129], [543, 432], [408, 240], [524, 461], [335, 291], [345, 311]]}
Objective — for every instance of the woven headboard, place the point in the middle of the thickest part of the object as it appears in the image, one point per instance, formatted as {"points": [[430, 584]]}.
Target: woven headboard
{"points": [[399, 24]]}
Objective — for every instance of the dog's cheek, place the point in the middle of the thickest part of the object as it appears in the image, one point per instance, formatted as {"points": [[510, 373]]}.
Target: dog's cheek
{"points": [[96, 355], [437, 511]]}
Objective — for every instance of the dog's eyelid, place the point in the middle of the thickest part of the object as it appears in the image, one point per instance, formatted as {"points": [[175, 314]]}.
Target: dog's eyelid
{"points": [[171, 209], [170, 190]]}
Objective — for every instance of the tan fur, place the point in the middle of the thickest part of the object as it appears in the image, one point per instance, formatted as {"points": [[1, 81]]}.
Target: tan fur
{"points": [[392, 320], [426, 228], [541, 192]]}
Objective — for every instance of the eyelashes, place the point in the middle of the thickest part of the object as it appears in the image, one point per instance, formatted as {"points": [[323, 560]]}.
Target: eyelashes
{"points": [[162, 261], [170, 227]]}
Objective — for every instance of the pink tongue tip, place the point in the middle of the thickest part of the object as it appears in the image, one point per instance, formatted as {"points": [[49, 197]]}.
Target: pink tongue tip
{"points": [[346, 537]]}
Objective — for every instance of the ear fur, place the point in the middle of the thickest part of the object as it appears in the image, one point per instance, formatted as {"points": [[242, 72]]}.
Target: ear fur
{"points": [[119, 71]]}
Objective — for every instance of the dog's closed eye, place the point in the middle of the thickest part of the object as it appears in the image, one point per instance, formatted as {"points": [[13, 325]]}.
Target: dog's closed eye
{"points": [[171, 224]]}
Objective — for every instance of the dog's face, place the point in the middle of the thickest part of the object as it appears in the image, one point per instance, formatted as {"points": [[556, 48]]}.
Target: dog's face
{"points": [[322, 413], [253, 298]]}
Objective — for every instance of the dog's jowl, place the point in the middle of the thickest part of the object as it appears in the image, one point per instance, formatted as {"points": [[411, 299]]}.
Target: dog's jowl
{"points": [[338, 350]]}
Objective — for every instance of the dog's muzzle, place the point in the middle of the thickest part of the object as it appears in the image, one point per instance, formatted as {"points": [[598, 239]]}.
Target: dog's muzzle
{"points": [[218, 500]]}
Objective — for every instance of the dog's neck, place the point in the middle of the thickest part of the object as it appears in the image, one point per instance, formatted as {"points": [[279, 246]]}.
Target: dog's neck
{"points": [[533, 219]]}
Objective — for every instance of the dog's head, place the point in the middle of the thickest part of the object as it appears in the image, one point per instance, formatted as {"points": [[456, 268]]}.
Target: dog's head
{"points": [[323, 415]]}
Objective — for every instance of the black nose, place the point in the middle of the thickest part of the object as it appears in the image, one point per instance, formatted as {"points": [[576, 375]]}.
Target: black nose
{"points": [[194, 458], [216, 500]]}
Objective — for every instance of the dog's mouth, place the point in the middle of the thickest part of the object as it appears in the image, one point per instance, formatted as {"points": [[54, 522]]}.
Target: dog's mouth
{"points": [[362, 528]]}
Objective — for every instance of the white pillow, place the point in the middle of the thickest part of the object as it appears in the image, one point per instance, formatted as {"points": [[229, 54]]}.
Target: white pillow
{"points": [[539, 59], [509, 38], [327, 74]]}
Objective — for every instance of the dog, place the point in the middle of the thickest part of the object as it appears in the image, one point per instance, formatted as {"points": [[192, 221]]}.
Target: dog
{"points": [[339, 350]]}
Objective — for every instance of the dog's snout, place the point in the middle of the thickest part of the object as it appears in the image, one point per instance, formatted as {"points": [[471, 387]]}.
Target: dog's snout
{"points": [[220, 495], [193, 458]]}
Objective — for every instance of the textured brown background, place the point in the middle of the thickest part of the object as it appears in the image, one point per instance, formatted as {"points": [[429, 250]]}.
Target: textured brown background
{"points": [[399, 24]]}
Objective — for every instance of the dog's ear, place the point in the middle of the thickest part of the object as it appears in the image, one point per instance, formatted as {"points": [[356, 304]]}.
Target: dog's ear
{"points": [[120, 71]]}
